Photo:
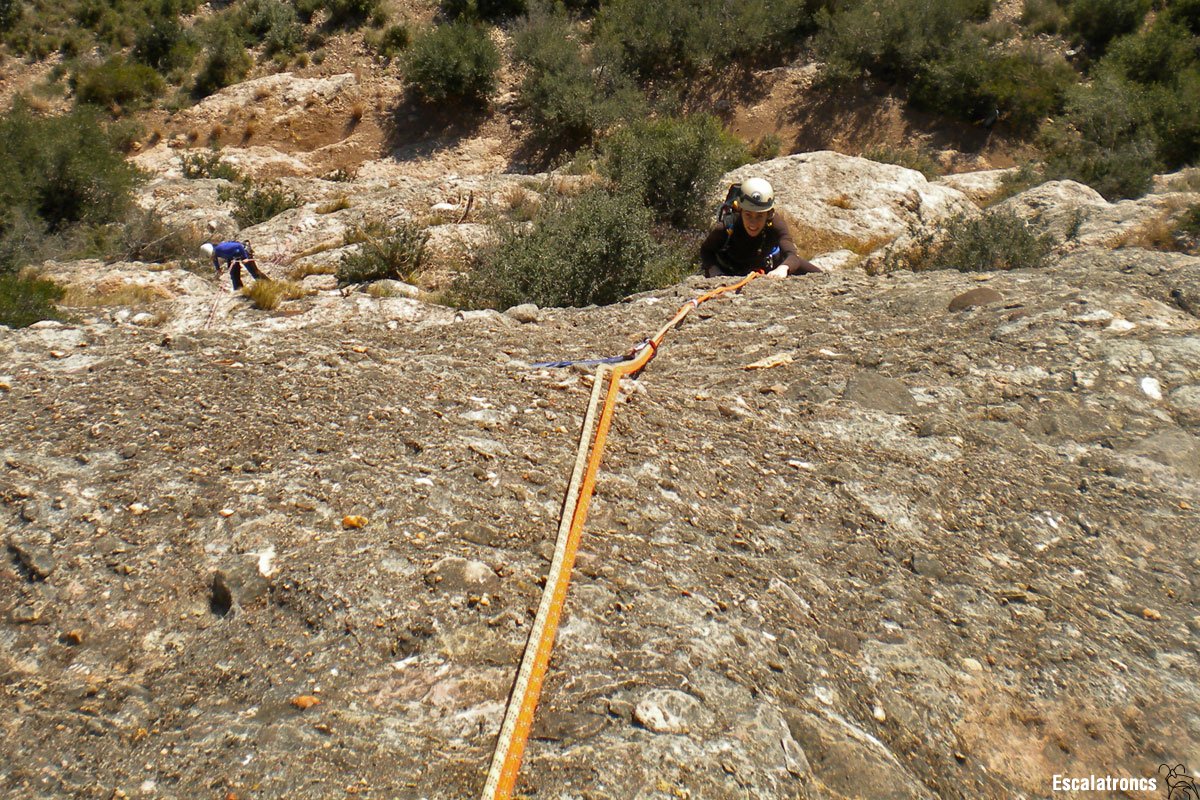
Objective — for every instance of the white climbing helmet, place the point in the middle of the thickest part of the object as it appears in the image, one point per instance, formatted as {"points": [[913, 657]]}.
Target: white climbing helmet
{"points": [[757, 195], [207, 248]]}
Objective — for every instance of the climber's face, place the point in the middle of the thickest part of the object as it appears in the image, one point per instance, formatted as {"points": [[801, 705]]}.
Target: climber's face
{"points": [[755, 221]]}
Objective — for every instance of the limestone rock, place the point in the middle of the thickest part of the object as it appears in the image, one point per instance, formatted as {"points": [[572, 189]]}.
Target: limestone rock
{"points": [[834, 201]]}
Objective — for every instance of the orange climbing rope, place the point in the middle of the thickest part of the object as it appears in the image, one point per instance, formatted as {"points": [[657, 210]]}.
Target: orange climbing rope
{"points": [[527, 688]]}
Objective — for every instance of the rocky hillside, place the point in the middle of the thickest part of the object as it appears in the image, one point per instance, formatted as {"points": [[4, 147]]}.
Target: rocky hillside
{"points": [[886, 536]]}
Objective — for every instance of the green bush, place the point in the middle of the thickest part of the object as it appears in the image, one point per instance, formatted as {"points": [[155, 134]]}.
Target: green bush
{"points": [[62, 170], [672, 165], [350, 13], [490, 10], [1157, 54], [998, 240], [24, 301], [386, 253], [21, 237], [1098, 22], [671, 39], [272, 23], [117, 83], [227, 61], [392, 42], [1126, 170], [766, 147], [953, 80], [1106, 140], [891, 39], [1026, 86], [207, 164], [1175, 116], [567, 100], [1043, 16], [1186, 13], [143, 236], [10, 13], [1189, 222], [918, 158], [163, 43], [1161, 66], [454, 63], [593, 249], [254, 204]]}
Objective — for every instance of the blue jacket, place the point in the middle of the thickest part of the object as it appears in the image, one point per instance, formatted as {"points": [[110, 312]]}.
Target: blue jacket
{"points": [[230, 251]]}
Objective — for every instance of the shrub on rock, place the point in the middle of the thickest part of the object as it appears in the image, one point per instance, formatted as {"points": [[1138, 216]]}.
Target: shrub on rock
{"points": [[672, 165], [117, 83], [455, 63], [395, 254], [593, 249]]}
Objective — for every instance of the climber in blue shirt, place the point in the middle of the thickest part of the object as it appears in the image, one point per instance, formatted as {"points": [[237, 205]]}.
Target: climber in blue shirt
{"points": [[237, 255]]}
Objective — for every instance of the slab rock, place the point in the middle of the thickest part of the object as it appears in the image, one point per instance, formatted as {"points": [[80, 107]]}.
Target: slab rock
{"points": [[1075, 214]]}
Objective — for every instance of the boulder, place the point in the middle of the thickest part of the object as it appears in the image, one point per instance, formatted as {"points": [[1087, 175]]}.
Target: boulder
{"points": [[1076, 215], [836, 201], [979, 187]]}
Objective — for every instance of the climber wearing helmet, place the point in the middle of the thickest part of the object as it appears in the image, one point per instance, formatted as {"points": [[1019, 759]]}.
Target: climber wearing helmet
{"points": [[752, 238], [238, 255]]}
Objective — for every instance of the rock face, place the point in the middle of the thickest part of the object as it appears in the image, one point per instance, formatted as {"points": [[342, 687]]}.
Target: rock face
{"points": [[923, 548], [836, 201], [1077, 215]]}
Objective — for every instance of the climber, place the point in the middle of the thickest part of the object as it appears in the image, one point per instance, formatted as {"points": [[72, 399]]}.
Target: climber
{"points": [[237, 255], [750, 236]]}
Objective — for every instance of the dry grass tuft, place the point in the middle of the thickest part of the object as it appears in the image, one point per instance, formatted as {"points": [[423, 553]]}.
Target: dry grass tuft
{"points": [[299, 272], [268, 294], [839, 201], [340, 203], [1156, 234], [114, 293], [813, 242]]}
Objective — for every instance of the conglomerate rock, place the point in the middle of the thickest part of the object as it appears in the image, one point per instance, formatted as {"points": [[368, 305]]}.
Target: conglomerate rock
{"points": [[927, 553]]}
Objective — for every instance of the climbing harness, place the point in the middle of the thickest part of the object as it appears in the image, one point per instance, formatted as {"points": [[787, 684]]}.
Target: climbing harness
{"points": [[531, 675]]}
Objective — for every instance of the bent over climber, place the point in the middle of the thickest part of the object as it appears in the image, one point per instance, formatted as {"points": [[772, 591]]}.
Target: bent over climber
{"points": [[237, 255], [751, 237]]}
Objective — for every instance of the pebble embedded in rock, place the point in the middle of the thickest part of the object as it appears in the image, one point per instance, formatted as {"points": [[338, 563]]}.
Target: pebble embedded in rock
{"points": [[980, 296], [668, 711], [928, 566], [454, 575], [36, 557]]}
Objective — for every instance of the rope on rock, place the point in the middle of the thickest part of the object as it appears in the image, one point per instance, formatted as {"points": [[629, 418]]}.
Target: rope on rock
{"points": [[527, 688]]}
